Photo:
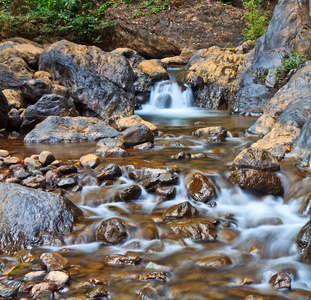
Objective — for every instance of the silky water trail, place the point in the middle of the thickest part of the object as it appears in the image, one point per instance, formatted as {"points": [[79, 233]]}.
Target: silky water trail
{"points": [[261, 233]]}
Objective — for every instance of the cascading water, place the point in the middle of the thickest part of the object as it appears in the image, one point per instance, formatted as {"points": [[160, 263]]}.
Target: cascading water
{"points": [[170, 94]]}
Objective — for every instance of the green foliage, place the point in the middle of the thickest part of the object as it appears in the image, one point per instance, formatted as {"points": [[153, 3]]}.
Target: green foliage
{"points": [[292, 62], [257, 21], [150, 7]]}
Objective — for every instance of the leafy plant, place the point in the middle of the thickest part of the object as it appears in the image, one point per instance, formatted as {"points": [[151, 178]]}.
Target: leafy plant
{"points": [[257, 21]]}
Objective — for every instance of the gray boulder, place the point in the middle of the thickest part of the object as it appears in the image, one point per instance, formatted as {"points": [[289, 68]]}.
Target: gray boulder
{"points": [[30, 217], [101, 83], [48, 105], [4, 110], [66, 129]]}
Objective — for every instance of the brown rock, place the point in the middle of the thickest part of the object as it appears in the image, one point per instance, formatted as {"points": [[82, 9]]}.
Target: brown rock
{"points": [[98, 292], [14, 98], [54, 261], [168, 192], [213, 131], [89, 161], [215, 261], [46, 158], [135, 135], [200, 187], [131, 193], [111, 151], [160, 276], [119, 260], [43, 290], [149, 232], [281, 281], [258, 181], [112, 231], [111, 172], [181, 210], [60, 278], [153, 69], [256, 158], [175, 60], [194, 229]]}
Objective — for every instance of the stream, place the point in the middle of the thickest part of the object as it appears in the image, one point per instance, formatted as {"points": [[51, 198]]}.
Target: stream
{"points": [[257, 232]]}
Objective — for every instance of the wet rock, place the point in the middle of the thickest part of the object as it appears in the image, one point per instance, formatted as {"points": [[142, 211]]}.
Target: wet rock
{"points": [[160, 276], [181, 210], [256, 158], [29, 217], [182, 155], [4, 153], [12, 160], [13, 119], [110, 142], [304, 242], [67, 169], [98, 292], [119, 260], [168, 192], [34, 181], [14, 98], [111, 151], [194, 229], [47, 105], [111, 172], [112, 231], [216, 261], [164, 179], [101, 83], [125, 123], [46, 158], [213, 131], [19, 171], [5, 291], [149, 232], [148, 293], [32, 162], [89, 161], [33, 90], [66, 182], [153, 69], [178, 144], [199, 187], [281, 281], [65, 129], [60, 278], [35, 275], [259, 181], [144, 146], [43, 290], [25, 256], [135, 135], [131, 193], [54, 261]]}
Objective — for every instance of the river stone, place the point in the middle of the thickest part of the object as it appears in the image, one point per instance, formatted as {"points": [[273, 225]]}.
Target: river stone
{"points": [[256, 158], [281, 281], [263, 182], [127, 122], [135, 135], [215, 261], [35, 275], [119, 260], [4, 153], [167, 192], [181, 210], [144, 146], [159, 276], [89, 161], [112, 231], [11, 160], [153, 69], [60, 278], [54, 261], [46, 158], [29, 217], [304, 242], [162, 179], [109, 142], [175, 60], [110, 172], [111, 151], [66, 129], [4, 110], [98, 292], [14, 119], [194, 229], [101, 83], [14, 98], [43, 290], [131, 193], [213, 131], [199, 187], [47, 105], [6, 292], [33, 90], [19, 171], [66, 182], [32, 162]]}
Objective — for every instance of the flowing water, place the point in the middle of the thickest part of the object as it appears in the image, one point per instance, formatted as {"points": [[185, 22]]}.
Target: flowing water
{"points": [[259, 237]]}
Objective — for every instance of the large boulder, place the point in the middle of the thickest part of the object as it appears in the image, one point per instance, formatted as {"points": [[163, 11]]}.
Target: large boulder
{"points": [[135, 135], [101, 83], [288, 31], [67, 129], [48, 105], [212, 73], [4, 110], [153, 69], [31, 218]]}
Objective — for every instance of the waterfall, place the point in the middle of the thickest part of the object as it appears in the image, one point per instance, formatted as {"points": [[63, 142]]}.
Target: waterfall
{"points": [[172, 93]]}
